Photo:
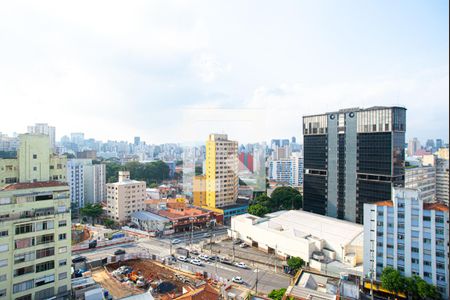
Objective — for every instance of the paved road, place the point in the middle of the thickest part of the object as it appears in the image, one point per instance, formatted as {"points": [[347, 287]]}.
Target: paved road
{"points": [[267, 280]]}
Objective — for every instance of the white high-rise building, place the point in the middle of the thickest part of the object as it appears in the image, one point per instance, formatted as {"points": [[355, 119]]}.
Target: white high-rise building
{"points": [[75, 179], [288, 171], [95, 183], [408, 235], [87, 181], [44, 128], [422, 178], [442, 180]]}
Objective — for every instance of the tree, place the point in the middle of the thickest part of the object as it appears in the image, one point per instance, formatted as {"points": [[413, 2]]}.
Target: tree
{"points": [[426, 290], [109, 223], [69, 155], [392, 280], [295, 263], [285, 198], [258, 210], [277, 294], [92, 210], [262, 199]]}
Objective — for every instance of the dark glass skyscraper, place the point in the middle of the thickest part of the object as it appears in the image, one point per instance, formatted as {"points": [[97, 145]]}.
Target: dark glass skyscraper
{"points": [[352, 157]]}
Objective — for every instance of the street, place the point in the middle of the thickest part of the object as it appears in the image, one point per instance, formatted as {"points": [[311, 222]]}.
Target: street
{"points": [[267, 278]]}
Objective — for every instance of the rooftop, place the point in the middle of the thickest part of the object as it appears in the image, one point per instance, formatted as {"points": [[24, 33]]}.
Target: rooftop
{"points": [[148, 216], [205, 292], [33, 185], [427, 206], [299, 224], [178, 214]]}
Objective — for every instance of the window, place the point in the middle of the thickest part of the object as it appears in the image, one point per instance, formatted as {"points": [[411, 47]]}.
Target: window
{"points": [[26, 297], [45, 266], [45, 280], [3, 292], [62, 250], [62, 289], [3, 233], [34, 156], [3, 277], [44, 239], [34, 168], [23, 271], [62, 236], [3, 262], [23, 286], [4, 248], [23, 257], [62, 276], [24, 228], [62, 223], [45, 252], [414, 249], [63, 262], [439, 220], [44, 225]]}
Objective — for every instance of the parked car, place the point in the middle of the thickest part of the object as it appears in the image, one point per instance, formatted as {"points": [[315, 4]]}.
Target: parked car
{"points": [[194, 252], [238, 279], [240, 265], [207, 234], [182, 258], [237, 241], [176, 241], [214, 258], [243, 245], [119, 252], [196, 262], [79, 259], [225, 261], [203, 257]]}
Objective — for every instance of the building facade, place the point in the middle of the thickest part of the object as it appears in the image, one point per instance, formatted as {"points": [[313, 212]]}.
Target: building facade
{"points": [[442, 180], [44, 128], [125, 197], [221, 171], [287, 171], [352, 157], [35, 161], [199, 191], [422, 178], [408, 235], [35, 231]]}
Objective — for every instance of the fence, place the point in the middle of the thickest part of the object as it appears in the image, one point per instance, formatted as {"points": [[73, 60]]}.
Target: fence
{"points": [[100, 244]]}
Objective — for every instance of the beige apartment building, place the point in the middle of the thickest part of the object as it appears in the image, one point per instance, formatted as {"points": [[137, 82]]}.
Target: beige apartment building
{"points": [[35, 161], [221, 171], [125, 197], [35, 223]]}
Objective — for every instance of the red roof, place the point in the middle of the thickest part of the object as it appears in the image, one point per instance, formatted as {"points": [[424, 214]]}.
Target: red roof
{"points": [[32, 185], [205, 292], [384, 203], [177, 214], [435, 206]]}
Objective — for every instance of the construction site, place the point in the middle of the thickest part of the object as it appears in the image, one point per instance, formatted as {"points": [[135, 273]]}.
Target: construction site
{"points": [[136, 276]]}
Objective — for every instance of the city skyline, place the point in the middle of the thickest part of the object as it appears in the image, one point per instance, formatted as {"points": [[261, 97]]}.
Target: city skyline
{"points": [[172, 72]]}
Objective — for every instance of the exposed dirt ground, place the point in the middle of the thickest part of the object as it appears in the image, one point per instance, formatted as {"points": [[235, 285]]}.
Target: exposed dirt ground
{"points": [[151, 272], [115, 288]]}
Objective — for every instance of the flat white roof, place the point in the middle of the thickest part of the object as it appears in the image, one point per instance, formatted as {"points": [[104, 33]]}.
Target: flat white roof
{"points": [[306, 225]]}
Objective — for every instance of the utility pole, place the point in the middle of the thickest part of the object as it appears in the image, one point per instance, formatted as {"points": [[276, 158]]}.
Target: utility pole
{"points": [[256, 283], [275, 258], [192, 231], [210, 238]]}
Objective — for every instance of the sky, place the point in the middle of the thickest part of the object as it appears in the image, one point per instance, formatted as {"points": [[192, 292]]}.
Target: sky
{"points": [[175, 71]]}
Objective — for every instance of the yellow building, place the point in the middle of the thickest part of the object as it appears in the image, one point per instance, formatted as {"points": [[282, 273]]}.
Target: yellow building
{"points": [[221, 171], [35, 162], [442, 153], [35, 223], [199, 190]]}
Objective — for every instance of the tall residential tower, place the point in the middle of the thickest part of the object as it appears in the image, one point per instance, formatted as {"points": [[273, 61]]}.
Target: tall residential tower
{"points": [[351, 157]]}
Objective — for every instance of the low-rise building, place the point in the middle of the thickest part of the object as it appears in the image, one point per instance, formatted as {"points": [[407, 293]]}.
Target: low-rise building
{"points": [[125, 197], [409, 235], [183, 217], [309, 236], [150, 222]]}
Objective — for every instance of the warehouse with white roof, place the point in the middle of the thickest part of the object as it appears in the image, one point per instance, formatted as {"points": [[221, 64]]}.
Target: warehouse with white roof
{"points": [[307, 235]]}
